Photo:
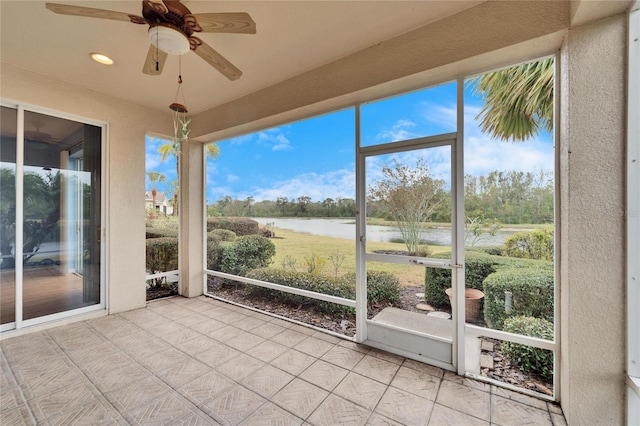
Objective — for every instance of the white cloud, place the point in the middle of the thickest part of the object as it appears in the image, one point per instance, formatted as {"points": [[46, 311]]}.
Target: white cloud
{"points": [[274, 138], [399, 131], [318, 186], [232, 178]]}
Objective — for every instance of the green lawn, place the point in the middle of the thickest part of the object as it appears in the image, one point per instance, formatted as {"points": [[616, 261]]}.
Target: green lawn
{"points": [[297, 246]]}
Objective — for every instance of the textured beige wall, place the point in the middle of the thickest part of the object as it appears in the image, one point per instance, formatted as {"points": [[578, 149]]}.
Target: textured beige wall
{"points": [[592, 147], [192, 230], [128, 125]]}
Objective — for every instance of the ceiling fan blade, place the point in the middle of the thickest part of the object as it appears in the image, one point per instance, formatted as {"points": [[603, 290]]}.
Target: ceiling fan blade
{"points": [[225, 23], [216, 60], [65, 9], [155, 57]]}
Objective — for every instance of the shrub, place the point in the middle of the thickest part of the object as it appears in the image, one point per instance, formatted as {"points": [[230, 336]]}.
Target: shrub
{"points": [[537, 244], [477, 267], [246, 253], [532, 293], [383, 289], [222, 234], [162, 255], [536, 360], [239, 225], [161, 232], [334, 286]]}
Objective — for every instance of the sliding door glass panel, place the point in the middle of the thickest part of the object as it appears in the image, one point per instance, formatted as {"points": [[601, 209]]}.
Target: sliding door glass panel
{"points": [[62, 181], [8, 122]]}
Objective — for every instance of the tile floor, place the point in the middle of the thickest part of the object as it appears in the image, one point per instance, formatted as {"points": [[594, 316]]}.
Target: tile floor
{"points": [[201, 361]]}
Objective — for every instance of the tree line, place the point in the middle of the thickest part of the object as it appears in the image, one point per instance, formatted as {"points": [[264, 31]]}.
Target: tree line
{"points": [[509, 197]]}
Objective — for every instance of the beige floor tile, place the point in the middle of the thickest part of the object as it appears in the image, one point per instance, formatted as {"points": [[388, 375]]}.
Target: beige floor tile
{"points": [[217, 355], [205, 387], [377, 369], [519, 397], [267, 351], [137, 393], [300, 398], [324, 374], [10, 398], [327, 337], [266, 381], [97, 411], [240, 367], [361, 390], [396, 359], [194, 346], [404, 407], [18, 416], [110, 380], [267, 330], [338, 411], [465, 399], [343, 357], [293, 362], [506, 412], [244, 341], [289, 337], [378, 420], [51, 381], [270, 414], [445, 416], [174, 333], [355, 346], [118, 370], [234, 405], [313, 346], [558, 419], [249, 323], [225, 333], [61, 401], [417, 382], [168, 409], [465, 381], [424, 368]]}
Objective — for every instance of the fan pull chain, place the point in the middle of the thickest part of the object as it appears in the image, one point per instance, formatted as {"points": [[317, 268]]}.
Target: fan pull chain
{"points": [[157, 55]]}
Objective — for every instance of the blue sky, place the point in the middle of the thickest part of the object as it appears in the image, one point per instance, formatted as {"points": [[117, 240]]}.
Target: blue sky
{"points": [[316, 157]]}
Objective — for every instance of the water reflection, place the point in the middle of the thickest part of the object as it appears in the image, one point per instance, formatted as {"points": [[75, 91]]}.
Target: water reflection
{"points": [[346, 228]]}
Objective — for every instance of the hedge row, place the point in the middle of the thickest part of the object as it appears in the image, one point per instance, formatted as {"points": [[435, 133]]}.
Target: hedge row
{"points": [[161, 232], [162, 255], [532, 294], [528, 358], [530, 282], [239, 225], [383, 289], [239, 256]]}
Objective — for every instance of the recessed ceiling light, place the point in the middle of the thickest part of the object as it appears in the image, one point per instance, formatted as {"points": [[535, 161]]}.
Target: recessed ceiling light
{"points": [[101, 58]]}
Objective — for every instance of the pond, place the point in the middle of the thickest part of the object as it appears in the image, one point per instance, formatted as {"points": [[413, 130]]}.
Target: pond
{"points": [[346, 228]]}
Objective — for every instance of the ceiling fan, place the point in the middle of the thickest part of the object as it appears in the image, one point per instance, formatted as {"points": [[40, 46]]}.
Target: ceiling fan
{"points": [[171, 31]]}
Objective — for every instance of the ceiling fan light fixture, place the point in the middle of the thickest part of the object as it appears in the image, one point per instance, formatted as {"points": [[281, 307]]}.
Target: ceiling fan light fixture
{"points": [[101, 58], [168, 39]]}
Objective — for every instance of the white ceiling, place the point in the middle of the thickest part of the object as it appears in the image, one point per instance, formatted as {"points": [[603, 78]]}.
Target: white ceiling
{"points": [[292, 37]]}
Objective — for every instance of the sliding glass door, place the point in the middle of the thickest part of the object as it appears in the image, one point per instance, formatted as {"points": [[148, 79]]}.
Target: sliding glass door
{"points": [[51, 217]]}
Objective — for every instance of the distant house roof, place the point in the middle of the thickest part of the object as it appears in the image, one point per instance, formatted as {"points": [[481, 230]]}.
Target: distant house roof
{"points": [[160, 197]]}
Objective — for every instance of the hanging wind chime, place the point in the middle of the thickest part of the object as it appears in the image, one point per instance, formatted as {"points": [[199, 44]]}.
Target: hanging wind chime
{"points": [[179, 112]]}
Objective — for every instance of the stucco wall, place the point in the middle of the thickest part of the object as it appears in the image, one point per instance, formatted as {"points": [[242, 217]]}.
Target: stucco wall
{"points": [[592, 147], [128, 125]]}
